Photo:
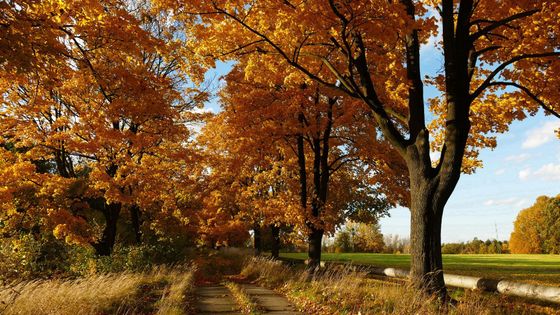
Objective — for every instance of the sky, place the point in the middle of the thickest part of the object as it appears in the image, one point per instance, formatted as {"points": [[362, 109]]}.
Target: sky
{"points": [[525, 165]]}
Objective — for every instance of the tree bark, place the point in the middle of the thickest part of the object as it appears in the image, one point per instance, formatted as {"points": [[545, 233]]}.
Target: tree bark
{"points": [[426, 268], [105, 245], [314, 252], [257, 239], [430, 189], [275, 250], [321, 179]]}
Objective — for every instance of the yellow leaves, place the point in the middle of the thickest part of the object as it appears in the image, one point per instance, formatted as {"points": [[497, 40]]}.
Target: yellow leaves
{"points": [[72, 229], [60, 230], [532, 225], [296, 78]]}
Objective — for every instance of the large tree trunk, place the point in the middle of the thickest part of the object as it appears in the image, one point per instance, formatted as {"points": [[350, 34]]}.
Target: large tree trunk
{"points": [[257, 239], [275, 250], [430, 189], [105, 245], [321, 177], [314, 252], [426, 268]]}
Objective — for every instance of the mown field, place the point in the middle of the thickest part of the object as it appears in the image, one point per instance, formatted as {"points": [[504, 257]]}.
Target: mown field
{"points": [[543, 269]]}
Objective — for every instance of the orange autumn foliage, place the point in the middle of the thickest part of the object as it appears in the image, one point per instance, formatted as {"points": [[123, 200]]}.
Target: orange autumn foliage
{"points": [[254, 165], [95, 111]]}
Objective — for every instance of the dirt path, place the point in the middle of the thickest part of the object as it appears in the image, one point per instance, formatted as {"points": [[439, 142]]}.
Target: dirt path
{"points": [[218, 300], [215, 300], [269, 301]]}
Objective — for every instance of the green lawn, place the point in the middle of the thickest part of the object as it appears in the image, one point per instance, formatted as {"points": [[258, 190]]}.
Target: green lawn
{"points": [[543, 269]]}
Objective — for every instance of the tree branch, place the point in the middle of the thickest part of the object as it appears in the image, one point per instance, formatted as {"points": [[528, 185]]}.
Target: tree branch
{"points": [[504, 65], [502, 22], [530, 94]]}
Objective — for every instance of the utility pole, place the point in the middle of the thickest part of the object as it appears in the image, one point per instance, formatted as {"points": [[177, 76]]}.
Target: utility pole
{"points": [[498, 245]]}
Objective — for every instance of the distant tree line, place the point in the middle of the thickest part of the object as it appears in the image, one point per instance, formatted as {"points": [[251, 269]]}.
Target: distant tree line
{"points": [[476, 246], [367, 238]]}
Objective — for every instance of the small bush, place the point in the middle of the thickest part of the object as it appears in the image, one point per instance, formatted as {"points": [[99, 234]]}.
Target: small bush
{"points": [[133, 258], [33, 256], [42, 256]]}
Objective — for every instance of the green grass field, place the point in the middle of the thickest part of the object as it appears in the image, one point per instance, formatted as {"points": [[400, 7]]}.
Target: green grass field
{"points": [[542, 269]]}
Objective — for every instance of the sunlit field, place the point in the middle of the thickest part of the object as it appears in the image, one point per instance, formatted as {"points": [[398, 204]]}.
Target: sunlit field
{"points": [[543, 269]]}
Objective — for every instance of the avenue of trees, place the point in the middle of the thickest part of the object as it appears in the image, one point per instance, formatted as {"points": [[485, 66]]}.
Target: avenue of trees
{"points": [[323, 118], [500, 62]]}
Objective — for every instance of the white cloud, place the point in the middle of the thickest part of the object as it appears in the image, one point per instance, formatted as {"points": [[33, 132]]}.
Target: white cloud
{"points": [[500, 171], [514, 201], [550, 172], [525, 174], [518, 158], [522, 203], [539, 136]]}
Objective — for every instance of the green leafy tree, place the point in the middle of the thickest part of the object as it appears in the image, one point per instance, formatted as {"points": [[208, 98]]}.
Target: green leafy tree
{"points": [[342, 242]]}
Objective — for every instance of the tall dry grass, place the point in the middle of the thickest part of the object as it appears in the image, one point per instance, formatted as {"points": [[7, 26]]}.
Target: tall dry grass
{"points": [[350, 291], [123, 293], [177, 297]]}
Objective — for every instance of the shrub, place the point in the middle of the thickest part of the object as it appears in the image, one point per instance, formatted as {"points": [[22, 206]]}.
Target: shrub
{"points": [[32, 256]]}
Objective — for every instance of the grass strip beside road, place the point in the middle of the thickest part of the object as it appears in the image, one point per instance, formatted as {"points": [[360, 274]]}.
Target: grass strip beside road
{"points": [[243, 300]]}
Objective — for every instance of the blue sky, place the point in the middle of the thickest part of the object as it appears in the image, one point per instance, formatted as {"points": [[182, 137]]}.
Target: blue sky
{"points": [[525, 165]]}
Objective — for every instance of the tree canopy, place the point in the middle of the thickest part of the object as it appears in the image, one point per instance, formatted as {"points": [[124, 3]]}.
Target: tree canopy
{"points": [[535, 230]]}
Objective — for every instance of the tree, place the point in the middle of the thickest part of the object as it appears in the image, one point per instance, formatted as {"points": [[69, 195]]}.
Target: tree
{"points": [[535, 229], [498, 57], [476, 246], [288, 128], [394, 244], [105, 108], [551, 222], [343, 242], [366, 237]]}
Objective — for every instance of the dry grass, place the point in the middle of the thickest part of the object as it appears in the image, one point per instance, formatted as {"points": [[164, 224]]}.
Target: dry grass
{"points": [[177, 298], [123, 293], [347, 291]]}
